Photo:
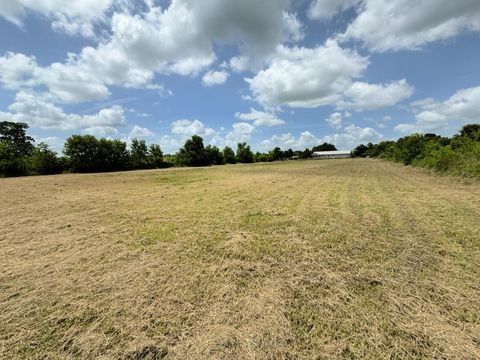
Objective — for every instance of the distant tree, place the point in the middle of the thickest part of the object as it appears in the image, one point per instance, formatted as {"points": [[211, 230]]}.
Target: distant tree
{"points": [[192, 153], [15, 147], [44, 161], [471, 131], [360, 151], [260, 157], [244, 154], [410, 147], [15, 134], [139, 154], [307, 153], [89, 154], [229, 155], [115, 155], [155, 156], [82, 152], [324, 147], [288, 154], [214, 156], [276, 154]]}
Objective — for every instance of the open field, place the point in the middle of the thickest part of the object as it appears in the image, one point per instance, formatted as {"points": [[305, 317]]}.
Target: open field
{"points": [[293, 260]]}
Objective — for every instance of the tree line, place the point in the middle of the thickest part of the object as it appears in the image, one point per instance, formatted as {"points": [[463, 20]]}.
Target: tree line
{"points": [[459, 155], [86, 153]]}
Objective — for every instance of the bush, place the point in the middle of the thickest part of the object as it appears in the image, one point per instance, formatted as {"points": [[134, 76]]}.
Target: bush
{"points": [[459, 155], [44, 161]]}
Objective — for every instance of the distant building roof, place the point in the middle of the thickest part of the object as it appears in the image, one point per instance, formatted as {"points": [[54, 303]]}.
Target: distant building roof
{"points": [[338, 152]]}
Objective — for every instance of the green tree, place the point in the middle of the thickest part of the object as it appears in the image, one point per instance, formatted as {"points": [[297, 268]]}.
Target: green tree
{"points": [[229, 155], [259, 157], [360, 151], [15, 147], [139, 154], [86, 153], [16, 135], [44, 161], [306, 154], [324, 147], [192, 153], [276, 154], [82, 151], [471, 131], [244, 154], [214, 155], [287, 154], [155, 156]]}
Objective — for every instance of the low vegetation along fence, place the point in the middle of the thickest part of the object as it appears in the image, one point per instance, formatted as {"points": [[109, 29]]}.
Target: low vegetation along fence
{"points": [[459, 155]]}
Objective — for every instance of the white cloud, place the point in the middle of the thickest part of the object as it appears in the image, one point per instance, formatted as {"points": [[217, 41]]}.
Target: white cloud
{"points": [[37, 111], [460, 108], [335, 120], [178, 39], [260, 118], [169, 144], [214, 78], [352, 136], [67, 83], [409, 24], [302, 77], [326, 9], [139, 131], [239, 63], [288, 141], [189, 128], [54, 142], [101, 131], [71, 17], [363, 96], [241, 132]]}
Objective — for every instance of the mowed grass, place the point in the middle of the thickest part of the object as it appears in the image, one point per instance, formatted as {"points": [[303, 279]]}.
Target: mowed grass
{"points": [[343, 259]]}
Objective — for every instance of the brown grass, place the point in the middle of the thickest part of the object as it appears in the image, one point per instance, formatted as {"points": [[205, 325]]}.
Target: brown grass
{"points": [[296, 260]]}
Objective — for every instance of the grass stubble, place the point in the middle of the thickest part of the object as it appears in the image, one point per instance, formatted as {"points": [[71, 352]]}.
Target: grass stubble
{"points": [[293, 260]]}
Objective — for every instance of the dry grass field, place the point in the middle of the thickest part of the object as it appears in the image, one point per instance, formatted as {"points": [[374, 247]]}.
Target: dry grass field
{"points": [[334, 259]]}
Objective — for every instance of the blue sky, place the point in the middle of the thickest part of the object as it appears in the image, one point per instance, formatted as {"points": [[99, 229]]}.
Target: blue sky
{"points": [[272, 73]]}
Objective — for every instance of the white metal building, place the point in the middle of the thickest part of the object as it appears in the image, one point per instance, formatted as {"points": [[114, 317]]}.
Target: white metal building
{"points": [[339, 154]]}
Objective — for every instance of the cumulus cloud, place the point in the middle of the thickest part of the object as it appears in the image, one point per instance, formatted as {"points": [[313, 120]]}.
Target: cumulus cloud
{"points": [[169, 144], [139, 131], [412, 23], [353, 135], [67, 83], [54, 142], [101, 131], [348, 138], [309, 78], [178, 39], [239, 63], [212, 78], [37, 111], [303, 77], [462, 107], [363, 96], [326, 9], [260, 118], [241, 132], [289, 141], [335, 120], [71, 17], [191, 127]]}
